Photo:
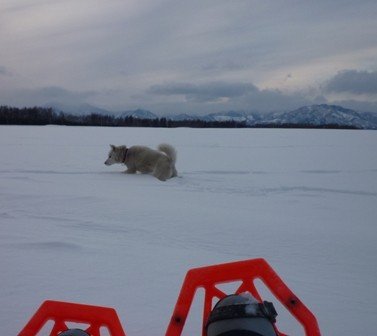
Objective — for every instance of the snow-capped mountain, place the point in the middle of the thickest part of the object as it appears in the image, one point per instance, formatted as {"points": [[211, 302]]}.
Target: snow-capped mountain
{"points": [[227, 116], [182, 116], [371, 118], [81, 109], [86, 109], [322, 115], [139, 113], [220, 116], [314, 115]]}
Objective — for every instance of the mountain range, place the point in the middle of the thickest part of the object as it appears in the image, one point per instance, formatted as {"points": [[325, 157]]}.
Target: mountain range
{"points": [[314, 115]]}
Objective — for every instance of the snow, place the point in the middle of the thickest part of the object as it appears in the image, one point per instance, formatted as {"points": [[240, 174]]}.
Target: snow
{"points": [[73, 229]]}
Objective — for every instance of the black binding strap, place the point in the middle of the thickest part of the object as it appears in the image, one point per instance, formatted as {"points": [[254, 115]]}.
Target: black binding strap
{"points": [[265, 310]]}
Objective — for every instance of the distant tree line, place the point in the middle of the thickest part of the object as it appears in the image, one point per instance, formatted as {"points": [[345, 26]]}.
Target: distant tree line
{"points": [[46, 116], [302, 125]]}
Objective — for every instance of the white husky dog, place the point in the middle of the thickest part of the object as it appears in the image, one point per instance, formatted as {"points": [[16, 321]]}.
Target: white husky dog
{"points": [[160, 163]]}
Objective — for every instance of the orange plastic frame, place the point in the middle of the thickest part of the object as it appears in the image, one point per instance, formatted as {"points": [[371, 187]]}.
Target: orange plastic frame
{"points": [[246, 272], [63, 312], [204, 277]]}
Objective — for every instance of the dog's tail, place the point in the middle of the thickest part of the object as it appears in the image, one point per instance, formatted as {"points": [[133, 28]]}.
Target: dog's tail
{"points": [[169, 151]]}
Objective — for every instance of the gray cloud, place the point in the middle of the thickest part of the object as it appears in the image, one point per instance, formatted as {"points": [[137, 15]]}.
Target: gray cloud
{"points": [[353, 81], [4, 71], [119, 49], [44, 95], [208, 92], [60, 94], [238, 96], [275, 100], [362, 106]]}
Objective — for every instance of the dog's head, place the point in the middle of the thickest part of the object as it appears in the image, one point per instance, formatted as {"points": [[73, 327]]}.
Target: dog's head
{"points": [[116, 155]]}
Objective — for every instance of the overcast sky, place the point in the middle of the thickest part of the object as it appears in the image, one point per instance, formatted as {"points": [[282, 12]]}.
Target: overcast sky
{"points": [[196, 56]]}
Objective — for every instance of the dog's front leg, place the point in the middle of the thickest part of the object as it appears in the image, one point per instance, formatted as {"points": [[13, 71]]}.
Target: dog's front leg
{"points": [[130, 171]]}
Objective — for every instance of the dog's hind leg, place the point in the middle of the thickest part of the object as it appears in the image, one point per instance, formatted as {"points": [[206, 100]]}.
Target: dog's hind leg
{"points": [[162, 171], [161, 175], [161, 178], [175, 173]]}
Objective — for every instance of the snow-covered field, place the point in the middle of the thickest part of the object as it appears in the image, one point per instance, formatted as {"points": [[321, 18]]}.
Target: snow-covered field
{"points": [[76, 230]]}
